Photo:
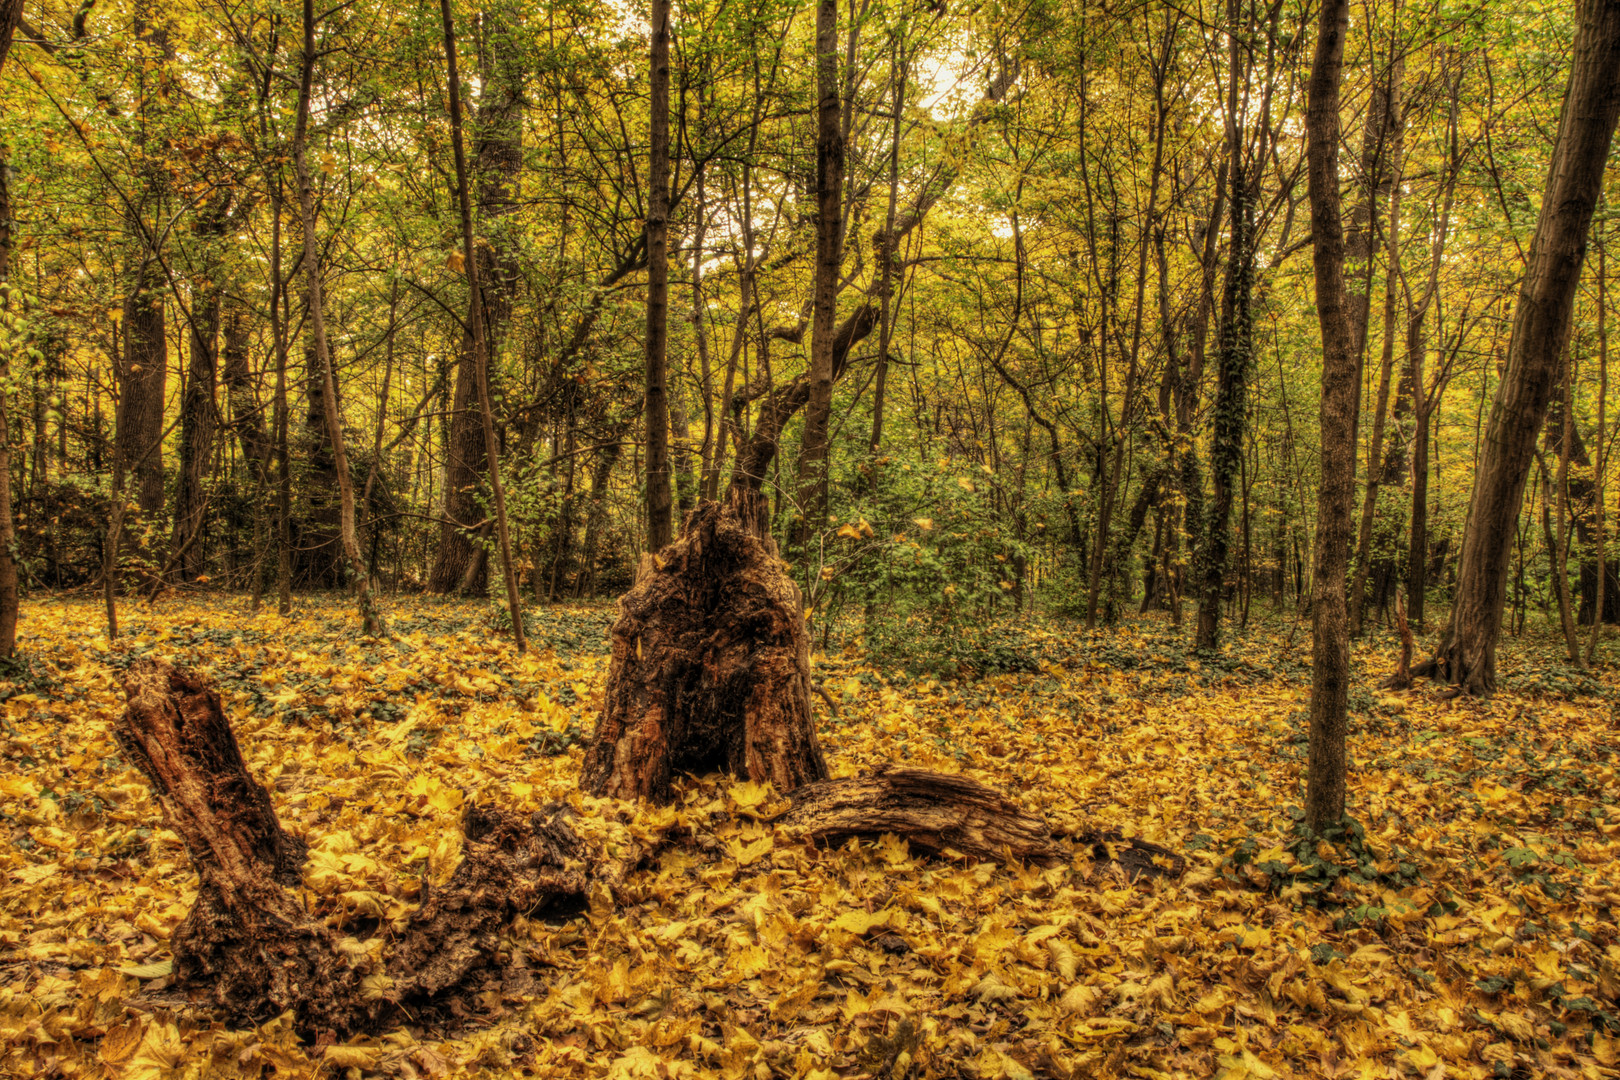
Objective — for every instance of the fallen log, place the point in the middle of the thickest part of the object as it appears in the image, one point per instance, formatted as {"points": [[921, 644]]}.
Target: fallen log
{"points": [[934, 812]]}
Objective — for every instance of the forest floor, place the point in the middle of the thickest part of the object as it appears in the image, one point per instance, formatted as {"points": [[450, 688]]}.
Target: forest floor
{"points": [[1470, 932]]}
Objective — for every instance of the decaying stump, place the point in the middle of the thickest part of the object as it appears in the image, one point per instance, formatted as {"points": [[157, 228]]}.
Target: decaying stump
{"points": [[250, 940], [935, 812], [711, 664]]}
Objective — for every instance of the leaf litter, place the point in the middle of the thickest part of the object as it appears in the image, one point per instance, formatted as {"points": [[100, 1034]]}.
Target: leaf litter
{"points": [[1464, 927]]}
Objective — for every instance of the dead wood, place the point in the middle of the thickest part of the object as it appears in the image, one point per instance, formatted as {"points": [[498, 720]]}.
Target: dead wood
{"points": [[711, 664], [935, 812], [250, 940]]}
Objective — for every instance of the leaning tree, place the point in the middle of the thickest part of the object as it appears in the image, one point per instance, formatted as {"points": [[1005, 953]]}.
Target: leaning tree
{"points": [[1466, 655]]}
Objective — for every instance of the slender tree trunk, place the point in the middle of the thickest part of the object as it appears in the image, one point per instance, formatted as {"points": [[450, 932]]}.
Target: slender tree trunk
{"points": [[1541, 326], [371, 619], [813, 457], [458, 560], [476, 322], [880, 385], [1386, 369], [1560, 551], [9, 12], [1602, 447], [281, 416], [1330, 650], [660, 528], [1233, 360]]}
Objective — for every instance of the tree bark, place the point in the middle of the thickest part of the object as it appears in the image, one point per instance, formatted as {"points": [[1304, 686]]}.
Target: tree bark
{"points": [[935, 812], [660, 500], [1602, 453], [1330, 649], [249, 936], [10, 11], [1233, 358], [199, 407], [814, 455], [371, 618], [1466, 655], [497, 164], [1386, 367], [475, 321], [711, 664]]}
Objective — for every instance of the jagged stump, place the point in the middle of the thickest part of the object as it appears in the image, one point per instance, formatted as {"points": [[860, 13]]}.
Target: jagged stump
{"points": [[711, 664], [249, 939]]}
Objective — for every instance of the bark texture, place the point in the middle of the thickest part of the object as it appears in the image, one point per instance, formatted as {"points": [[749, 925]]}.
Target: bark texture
{"points": [[935, 812], [251, 941], [1330, 617], [497, 167], [711, 664], [1541, 325]]}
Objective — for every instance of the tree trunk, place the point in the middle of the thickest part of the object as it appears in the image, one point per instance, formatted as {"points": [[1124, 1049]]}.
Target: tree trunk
{"points": [[1560, 551], [814, 456], [146, 351], [198, 420], [660, 500], [711, 664], [1232, 362], [935, 812], [1330, 649], [10, 10], [596, 517], [1541, 323], [1386, 367], [1602, 453], [249, 935], [475, 320], [498, 163], [359, 576]]}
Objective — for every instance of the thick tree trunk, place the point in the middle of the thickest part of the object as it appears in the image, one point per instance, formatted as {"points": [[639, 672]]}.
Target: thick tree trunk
{"points": [[197, 424], [1541, 323], [142, 387], [596, 516], [1232, 361], [475, 320], [1330, 651]]}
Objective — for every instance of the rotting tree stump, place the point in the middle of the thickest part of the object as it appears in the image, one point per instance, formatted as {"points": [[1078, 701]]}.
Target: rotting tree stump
{"points": [[249, 939], [711, 664]]}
